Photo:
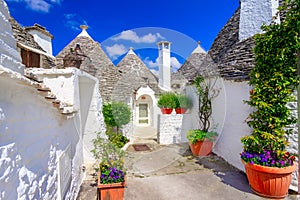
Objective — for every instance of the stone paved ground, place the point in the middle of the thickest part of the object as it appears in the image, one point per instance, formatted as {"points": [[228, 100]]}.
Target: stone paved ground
{"points": [[171, 173]]}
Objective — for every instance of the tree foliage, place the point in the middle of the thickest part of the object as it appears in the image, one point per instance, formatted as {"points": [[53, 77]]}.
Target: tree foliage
{"points": [[274, 79], [116, 114]]}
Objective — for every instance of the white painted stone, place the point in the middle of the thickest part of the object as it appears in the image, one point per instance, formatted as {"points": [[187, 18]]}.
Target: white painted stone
{"points": [[34, 133], [9, 56], [255, 13], [43, 40], [164, 65], [170, 128], [229, 145]]}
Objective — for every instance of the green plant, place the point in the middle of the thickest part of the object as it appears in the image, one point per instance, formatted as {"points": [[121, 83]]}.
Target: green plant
{"points": [[167, 100], [111, 160], [199, 135], [116, 114], [182, 101], [206, 92], [274, 78], [116, 138]]}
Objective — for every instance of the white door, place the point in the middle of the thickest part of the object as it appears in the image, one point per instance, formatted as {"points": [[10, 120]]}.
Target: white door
{"points": [[143, 114]]}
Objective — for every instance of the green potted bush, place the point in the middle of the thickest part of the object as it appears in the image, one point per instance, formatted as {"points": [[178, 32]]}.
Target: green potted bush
{"points": [[267, 163], [201, 140], [166, 102], [183, 103]]}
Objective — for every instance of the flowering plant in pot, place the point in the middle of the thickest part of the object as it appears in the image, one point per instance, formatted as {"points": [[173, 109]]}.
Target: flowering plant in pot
{"points": [[182, 103], [111, 171], [201, 140], [166, 102], [267, 162]]}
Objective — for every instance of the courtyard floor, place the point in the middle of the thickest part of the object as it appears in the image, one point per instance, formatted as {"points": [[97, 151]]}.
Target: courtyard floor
{"points": [[171, 173]]}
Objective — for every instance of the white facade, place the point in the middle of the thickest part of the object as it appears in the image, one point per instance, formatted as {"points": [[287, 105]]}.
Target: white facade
{"points": [[42, 149], [164, 60], [42, 146], [9, 56], [45, 41], [255, 13]]}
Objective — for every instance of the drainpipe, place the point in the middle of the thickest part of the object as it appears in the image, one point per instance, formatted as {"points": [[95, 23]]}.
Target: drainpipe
{"points": [[298, 120]]}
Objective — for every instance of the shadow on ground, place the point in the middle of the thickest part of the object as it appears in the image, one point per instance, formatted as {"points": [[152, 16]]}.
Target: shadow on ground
{"points": [[226, 172]]}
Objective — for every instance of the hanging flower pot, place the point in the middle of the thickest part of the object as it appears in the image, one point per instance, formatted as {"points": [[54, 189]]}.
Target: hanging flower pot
{"points": [[270, 182], [166, 111]]}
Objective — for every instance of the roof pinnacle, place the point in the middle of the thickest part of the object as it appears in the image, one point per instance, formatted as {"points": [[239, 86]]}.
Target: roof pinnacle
{"points": [[84, 33]]}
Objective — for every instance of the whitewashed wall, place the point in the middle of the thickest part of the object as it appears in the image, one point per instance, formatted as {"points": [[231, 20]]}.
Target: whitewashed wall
{"points": [[33, 136], [232, 98], [9, 56], [80, 90]]}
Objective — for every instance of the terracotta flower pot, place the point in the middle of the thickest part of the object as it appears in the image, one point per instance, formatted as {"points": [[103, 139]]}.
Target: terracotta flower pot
{"points": [[270, 182], [201, 148], [114, 191], [180, 110], [166, 111]]}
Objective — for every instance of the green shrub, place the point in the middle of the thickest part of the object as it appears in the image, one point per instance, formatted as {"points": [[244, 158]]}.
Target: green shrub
{"points": [[183, 101], [167, 100], [116, 138], [116, 114], [199, 135]]}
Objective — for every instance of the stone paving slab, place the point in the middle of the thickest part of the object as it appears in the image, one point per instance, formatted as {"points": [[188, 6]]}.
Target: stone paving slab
{"points": [[171, 173]]}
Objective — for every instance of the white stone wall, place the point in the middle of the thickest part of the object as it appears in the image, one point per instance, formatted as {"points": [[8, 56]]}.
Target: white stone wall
{"points": [[33, 135], [44, 41], [9, 56], [229, 145], [255, 13], [293, 147], [170, 128]]}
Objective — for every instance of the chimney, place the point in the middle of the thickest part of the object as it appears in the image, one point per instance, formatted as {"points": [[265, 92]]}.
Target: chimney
{"points": [[41, 36], [164, 62], [255, 13]]}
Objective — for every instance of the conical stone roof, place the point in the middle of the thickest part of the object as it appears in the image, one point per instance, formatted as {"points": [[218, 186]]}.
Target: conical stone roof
{"points": [[189, 70], [135, 74], [94, 62]]}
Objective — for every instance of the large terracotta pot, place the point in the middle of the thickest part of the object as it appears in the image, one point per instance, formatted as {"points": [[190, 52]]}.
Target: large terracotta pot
{"points": [[270, 182], [166, 111], [180, 110], [114, 191], [202, 148]]}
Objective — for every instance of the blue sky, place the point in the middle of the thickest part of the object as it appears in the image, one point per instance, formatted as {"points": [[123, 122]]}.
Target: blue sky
{"points": [[118, 25]]}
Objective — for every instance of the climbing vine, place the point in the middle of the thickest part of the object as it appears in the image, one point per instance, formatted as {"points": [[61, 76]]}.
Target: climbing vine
{"points": [[274, 79]]}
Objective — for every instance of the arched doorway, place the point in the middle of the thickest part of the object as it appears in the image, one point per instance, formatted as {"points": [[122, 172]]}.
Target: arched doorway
{"points": [[145, 113]]}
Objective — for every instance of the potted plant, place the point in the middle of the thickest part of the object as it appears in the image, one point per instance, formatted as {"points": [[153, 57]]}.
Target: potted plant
{"points": [[267, 162], [111, 172], [182, 103], [201, 140], [166, 102]]}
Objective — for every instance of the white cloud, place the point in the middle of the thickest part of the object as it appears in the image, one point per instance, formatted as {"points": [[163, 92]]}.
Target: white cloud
{"points": [[39, 5], [73, 21], [150, 63], [133, 37], [174, 63], [116, 50]]}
